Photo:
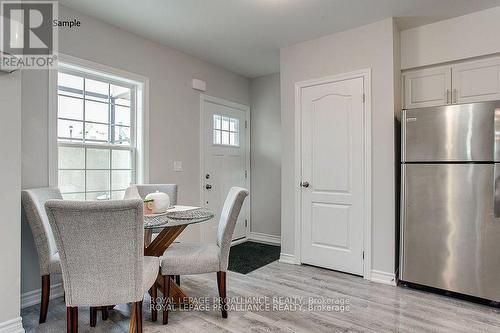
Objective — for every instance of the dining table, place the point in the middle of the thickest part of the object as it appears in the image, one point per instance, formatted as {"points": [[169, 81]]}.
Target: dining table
{"points": [[167, 227]]}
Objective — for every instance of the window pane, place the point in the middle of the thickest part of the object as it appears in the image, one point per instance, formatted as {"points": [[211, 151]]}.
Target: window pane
{"points": [[68, 107], [96, 132], [98, 195], [122, 159], [120, 95], [98, 158], [70, 84], [217, 121], [122, 115], [95, 111], [96, 90], [71, 158], [233, 139], [70, 129], [71, 181], [74, 196], [117, 195], [121, 179], [98, 180], [233, 125], [121, 135], [225, 123], [217, 137], [225, 138]]}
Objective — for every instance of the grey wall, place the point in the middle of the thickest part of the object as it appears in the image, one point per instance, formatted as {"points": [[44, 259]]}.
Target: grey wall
{"points": [[10, 194], [370, 46], [266, 155], [174, 111]]}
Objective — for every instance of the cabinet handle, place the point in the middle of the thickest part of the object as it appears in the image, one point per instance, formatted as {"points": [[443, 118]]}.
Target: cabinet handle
{"points": [[448, 96], [455, 94]]}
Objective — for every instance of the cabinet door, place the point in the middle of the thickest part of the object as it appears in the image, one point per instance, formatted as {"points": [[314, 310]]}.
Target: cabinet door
{"points": [[476, 81], [427, 87]]}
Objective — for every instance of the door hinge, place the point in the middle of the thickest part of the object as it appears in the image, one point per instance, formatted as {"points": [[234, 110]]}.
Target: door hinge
{"points": [[363, 98], [363, 254], [246, 174], [246, 124], [246, 223]]}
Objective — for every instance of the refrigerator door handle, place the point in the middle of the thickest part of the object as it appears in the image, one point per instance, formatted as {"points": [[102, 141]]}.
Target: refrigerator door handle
{"points": [[496, 192], [496, 135]]}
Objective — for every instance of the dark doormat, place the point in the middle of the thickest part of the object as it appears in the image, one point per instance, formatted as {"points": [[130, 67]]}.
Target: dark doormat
{"points": [[248, 256]]}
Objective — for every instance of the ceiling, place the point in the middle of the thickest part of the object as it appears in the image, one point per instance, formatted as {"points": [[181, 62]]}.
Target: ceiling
{"points": [[245, 36]]}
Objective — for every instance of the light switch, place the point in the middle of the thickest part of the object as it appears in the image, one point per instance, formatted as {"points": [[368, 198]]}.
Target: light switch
{"points": [[177, 166]]}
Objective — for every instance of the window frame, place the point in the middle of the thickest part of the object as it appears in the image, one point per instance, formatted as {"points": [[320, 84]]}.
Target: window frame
{"points": [[139, 122]]}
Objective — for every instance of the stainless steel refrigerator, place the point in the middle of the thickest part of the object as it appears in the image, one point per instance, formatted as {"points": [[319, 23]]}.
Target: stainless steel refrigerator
{"points": [[450, 198]]}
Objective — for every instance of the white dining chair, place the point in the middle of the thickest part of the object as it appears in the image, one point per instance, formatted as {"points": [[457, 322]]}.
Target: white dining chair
{"points": [[101, 246], [197, 258], [48, 257]]}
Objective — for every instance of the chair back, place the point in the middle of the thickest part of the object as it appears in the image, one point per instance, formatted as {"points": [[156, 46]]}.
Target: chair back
{"points": [[33, 203], [101, 246], [141, 190], [227, 223]]}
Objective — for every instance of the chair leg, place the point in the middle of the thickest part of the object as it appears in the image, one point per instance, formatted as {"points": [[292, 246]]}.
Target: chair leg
{"points": [[93, 316], [44, 304], [105, 313], [221, 283], [138, 316], [178, 280], [72, 319], [154, 296], [166, 294]]}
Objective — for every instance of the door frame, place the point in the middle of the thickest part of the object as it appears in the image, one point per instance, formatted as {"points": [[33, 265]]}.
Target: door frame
{"points": [[367, 165], [245, 108]]}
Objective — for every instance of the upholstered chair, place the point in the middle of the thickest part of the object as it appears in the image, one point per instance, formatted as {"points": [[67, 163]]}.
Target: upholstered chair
{"points": [[192, 258], [101, 245], [48, 256]]}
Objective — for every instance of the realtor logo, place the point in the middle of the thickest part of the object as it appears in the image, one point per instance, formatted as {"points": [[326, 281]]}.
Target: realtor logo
{"points": [[28, 36]]}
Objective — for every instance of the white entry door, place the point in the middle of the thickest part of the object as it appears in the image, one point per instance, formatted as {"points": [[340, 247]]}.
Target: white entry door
{"points": [[333, 174], [224, 161]]}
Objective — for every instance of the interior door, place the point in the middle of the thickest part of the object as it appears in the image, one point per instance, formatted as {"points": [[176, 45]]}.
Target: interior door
{"points": [[224, 162], [333, 175]]}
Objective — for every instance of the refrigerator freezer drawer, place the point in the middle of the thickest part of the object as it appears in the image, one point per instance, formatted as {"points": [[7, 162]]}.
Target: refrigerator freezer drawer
{"points": [[451, 133], [451, 238]]}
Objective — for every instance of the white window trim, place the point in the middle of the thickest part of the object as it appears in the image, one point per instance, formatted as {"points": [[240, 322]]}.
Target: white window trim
{"points": [[141, 119]]}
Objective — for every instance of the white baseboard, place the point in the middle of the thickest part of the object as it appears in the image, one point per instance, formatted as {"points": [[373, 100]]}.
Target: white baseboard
{"points": [[33, 297], [12, 326], [239, 241], [383, 277], [265, 238], [288, 259]]}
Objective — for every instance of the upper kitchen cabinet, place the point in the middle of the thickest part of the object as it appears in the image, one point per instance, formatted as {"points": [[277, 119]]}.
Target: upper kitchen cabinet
{"points": [[476, 81], [427, 87], [465, 82]]}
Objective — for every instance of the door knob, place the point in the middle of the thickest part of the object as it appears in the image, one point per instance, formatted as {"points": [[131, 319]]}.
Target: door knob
{"points": [[208, 187], [304, 184]]}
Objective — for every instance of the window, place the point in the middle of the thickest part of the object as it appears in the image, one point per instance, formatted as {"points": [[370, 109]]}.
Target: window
{"points": [[226, 131], [95, 134]]}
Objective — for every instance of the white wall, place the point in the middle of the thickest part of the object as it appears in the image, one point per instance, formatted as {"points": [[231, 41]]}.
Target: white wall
{"points": [[174, 111], [467, 36], [266, 155], [10, 199], [370, 46]]}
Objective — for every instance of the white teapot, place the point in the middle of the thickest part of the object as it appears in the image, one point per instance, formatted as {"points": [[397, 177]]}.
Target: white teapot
{"points": [[161, 202]]}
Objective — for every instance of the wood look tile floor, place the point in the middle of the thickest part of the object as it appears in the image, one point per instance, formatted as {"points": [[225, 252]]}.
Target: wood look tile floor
{"points": [[373, 307]]}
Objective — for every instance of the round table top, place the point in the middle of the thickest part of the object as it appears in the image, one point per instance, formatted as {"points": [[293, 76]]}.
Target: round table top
{"points": [[177, 217]]}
